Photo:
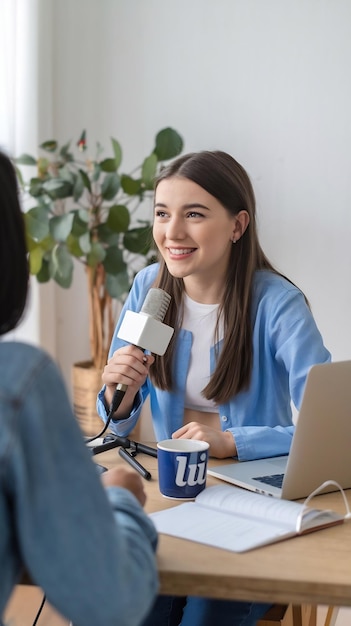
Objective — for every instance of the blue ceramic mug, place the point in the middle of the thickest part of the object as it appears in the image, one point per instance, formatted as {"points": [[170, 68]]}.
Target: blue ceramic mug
{"points": [[182, 467]]}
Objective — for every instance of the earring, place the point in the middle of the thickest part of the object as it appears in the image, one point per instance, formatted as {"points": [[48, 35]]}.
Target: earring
{"points": [[233, 240]]}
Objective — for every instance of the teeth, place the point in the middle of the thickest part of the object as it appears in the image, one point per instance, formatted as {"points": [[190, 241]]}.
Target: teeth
{"points": [[178, 251]]}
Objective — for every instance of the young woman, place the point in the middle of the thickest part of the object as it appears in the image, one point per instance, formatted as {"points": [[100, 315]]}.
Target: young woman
{"points": [[244, 337], [88, 548]]}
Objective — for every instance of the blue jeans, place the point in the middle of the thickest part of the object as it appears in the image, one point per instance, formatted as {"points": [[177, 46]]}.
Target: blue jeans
{"points": [[194, 611]]}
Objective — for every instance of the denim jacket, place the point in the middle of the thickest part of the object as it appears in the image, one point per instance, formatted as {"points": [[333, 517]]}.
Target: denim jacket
{"points": [[91, 550], [286, 343]]}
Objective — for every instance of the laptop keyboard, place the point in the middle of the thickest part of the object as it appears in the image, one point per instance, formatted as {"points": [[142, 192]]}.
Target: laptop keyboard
{"points": [[276, 480]]}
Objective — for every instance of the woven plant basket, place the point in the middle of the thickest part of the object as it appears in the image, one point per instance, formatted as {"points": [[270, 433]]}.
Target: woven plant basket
{"points": [[86, 383]]}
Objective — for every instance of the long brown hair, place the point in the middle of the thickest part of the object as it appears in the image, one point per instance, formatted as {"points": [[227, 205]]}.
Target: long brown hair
{"points": [[225, 179]]}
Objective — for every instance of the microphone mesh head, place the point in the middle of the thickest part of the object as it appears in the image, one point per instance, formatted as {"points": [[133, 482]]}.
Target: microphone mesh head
{"points": [[156, 304]]}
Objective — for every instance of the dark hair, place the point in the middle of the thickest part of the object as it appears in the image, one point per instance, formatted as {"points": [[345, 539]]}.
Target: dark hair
{"points": [[225, 179], [13, 250]]}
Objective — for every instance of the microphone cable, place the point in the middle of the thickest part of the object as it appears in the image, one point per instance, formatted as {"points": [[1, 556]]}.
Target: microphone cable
{"points": [[116, 401], [39, 610]]}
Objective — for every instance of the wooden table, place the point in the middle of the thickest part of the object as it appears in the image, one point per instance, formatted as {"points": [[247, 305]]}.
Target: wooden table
{"points": [[311, 569]]}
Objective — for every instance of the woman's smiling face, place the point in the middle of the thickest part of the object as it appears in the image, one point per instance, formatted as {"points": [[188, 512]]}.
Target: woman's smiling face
{"points": [[193, 232]]}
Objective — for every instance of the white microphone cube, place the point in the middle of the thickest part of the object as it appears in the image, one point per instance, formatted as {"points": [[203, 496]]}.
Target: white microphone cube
{"points": [[145, 332]]}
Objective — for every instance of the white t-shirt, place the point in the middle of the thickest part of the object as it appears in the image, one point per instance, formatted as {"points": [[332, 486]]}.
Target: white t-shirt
{"points": [[201, 320]]}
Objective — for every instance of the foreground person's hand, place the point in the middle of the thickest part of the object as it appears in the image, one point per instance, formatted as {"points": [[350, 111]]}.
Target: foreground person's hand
{"points": [[127, 478]]}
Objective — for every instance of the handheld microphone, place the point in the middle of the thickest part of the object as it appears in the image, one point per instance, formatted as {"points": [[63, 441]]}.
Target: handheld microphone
{"points": [[146, 331]]}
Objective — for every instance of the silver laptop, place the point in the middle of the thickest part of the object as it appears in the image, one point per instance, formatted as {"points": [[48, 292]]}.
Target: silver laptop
{"points": [[321, 445]]}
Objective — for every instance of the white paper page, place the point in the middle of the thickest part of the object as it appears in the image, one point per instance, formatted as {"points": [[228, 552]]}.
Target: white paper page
{"points": [[236, 500], [275, 510], [214, 528]]}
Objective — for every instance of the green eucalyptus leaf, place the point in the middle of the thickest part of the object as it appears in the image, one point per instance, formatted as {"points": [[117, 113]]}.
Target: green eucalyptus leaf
{"points": [[35, 260], [57, 188], [118, 285], [96, 172], [25, 159], [80, 224], [118, 218], [168, 144], [78, 187], [79, 246], [73, 246], [36, 187], [61, 226], [114, 262], [108, 165], [44, 275], [31, 243], [110, 186], [61, 266], [46, 244], [131, 186], [85, 243], [96, 255], [66, 174], [138, 240], [37, 223], [148, 171], [107, 236], [19, 176], [49, 146], [44, 202], [65, 154], [86, 179], [83, 215], [117, 152]]}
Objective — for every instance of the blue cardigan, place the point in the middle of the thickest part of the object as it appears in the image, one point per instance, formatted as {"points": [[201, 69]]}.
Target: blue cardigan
{"points": [[286, 343]]}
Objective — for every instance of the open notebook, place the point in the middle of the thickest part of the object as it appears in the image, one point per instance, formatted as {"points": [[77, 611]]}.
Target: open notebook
{"points": [[321, 444]]}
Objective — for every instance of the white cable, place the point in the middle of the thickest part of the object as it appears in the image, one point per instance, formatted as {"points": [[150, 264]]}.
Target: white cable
{"points": [[314, 493]]}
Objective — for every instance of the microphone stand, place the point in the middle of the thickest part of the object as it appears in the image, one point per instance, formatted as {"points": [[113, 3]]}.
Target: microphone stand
{"points": [[128, 449], [114, 441]]}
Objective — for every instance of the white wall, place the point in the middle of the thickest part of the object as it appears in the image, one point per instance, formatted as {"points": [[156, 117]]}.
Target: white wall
{"points": [[266, 80]]}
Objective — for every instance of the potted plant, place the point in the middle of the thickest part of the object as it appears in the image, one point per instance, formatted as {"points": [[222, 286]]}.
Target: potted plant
{"points": [[85, 210]]}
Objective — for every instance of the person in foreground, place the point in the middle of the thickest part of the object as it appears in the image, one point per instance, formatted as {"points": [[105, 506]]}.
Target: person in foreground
{"points": [[91, 550], [244, 339]]}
